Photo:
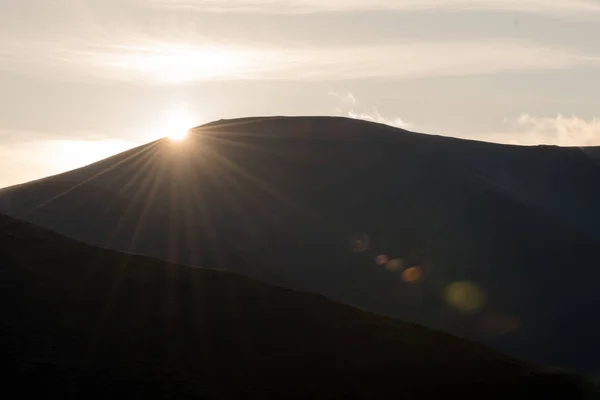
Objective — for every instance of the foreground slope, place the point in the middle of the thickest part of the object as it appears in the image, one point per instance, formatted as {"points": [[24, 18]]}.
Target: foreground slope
{"points": [[93, 323], [496, 243]]}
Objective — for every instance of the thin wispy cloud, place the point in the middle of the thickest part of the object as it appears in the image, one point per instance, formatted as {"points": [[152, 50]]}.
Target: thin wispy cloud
{"points": [[160, 62], [308, 6], [559, 130], [144, 43], [350, 107]]}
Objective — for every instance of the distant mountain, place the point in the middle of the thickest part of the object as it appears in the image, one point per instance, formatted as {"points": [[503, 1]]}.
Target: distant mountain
{"points": [[500, 244], [85, 322]]}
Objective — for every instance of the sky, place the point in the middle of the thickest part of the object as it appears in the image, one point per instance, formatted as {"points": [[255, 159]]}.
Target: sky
{"points": [[81, 80]]}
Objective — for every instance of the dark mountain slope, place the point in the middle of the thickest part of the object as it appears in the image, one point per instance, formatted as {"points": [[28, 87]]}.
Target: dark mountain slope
{"points": [[86, 322], [289, 197]]}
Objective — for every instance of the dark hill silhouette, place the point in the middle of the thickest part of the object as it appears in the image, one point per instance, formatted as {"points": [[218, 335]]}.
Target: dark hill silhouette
{"points": [[502, 241], [85, 322]]}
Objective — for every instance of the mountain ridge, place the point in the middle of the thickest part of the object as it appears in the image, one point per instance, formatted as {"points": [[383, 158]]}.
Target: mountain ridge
{"points": [[497, 216], [84, 321]]}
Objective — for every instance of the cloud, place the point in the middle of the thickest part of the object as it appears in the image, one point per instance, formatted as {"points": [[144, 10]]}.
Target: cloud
{"points": [[560, 130], [350, 107], [163, 62], [556, 7], [137, 40]]}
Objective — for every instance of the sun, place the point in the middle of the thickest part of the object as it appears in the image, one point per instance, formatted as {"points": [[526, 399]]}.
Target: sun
{"points": [[178, 136], [176, 123]]}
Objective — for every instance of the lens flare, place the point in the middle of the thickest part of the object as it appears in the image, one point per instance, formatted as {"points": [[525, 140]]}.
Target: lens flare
{"points": [[394, 265], [381, 259], [412, 274], [465, 296]]}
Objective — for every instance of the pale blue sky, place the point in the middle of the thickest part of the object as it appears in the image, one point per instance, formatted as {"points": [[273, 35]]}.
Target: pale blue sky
{"points": [[82, 79]]}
